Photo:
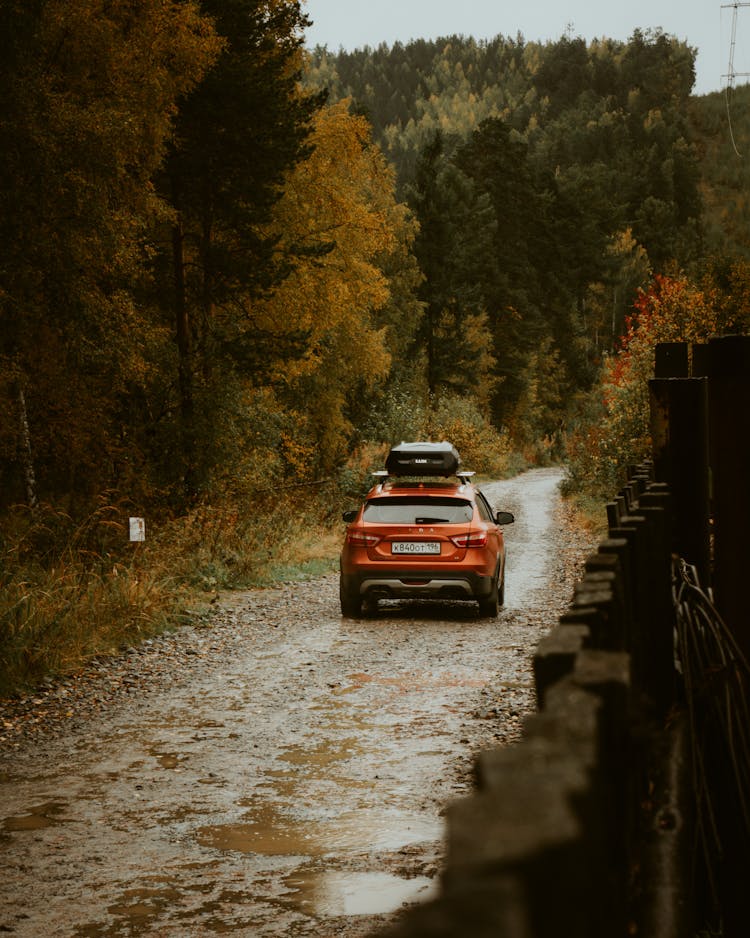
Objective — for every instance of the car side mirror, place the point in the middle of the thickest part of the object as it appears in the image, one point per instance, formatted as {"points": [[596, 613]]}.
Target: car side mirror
{"points": [[349, 516], [504, 517]]}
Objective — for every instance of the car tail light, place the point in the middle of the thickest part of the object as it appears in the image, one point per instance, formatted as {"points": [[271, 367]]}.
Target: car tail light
{"points": [[475, 539], [360, 539]]}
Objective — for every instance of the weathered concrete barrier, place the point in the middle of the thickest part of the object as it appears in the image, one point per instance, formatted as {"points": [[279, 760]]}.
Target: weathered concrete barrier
{"points": [[625, 809]]}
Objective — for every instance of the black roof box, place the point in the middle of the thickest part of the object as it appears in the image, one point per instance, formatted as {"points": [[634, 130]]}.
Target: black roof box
{"points": [[423, 459]]}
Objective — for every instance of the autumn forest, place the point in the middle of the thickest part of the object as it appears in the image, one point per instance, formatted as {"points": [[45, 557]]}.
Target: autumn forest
{"points": [[230, 262]]}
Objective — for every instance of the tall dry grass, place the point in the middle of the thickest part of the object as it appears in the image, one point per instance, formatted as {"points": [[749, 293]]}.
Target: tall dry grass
{"points": [[257, 539], [70, 590]]}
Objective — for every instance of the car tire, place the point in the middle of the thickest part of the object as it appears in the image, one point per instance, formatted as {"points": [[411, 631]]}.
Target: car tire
{"points": [[351, 601], [490, 605], [501, 592]]}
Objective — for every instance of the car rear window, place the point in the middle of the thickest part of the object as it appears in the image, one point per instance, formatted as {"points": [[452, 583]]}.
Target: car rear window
{"points": [[416, 510]]}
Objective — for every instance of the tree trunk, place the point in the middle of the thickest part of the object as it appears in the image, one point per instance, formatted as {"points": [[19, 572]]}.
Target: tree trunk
{"points": [[206, 363], [26, 454], [185, 358]]}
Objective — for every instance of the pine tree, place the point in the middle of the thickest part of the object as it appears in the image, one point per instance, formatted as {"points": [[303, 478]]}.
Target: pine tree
{"points": [[237, 135]]}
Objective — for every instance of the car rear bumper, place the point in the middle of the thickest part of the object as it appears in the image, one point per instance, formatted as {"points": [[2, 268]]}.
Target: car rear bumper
{"points": [[412, 585]]}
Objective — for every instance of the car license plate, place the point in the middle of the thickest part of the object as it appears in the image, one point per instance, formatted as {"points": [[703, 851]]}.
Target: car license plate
{"points": [[415, 547]]}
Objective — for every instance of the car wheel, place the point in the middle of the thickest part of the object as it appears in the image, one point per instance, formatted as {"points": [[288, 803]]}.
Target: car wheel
{"points": [[490, 605], [351, 601], [501, 592]]}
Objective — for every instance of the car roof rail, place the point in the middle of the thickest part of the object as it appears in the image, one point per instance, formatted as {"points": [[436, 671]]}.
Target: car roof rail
{"points": [[383, 476]]}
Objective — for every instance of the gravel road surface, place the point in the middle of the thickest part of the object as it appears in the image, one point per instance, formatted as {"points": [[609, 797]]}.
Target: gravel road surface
{"points": [[273, 769]]}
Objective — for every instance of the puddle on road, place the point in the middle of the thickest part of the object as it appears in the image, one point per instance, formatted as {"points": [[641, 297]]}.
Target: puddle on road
{"points": [[333, 893], [284, 784], [134, 914], [167, 760], [324, 754], [318, 893], [415, 681], [268, 832], [38, 818], [140, 905]]}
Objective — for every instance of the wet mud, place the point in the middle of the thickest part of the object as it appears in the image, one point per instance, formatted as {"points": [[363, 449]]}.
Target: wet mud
{"points": [[276, 769]]}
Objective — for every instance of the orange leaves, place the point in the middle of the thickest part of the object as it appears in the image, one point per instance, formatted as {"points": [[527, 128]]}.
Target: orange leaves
{"points": [[118, 72], [337, 216], [94, 101], [673, 309]]}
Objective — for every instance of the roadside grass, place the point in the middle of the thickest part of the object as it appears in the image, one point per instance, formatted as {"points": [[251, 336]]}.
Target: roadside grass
{"points": [[53, 620], [257, 544], [591, 513], [69, 592]]}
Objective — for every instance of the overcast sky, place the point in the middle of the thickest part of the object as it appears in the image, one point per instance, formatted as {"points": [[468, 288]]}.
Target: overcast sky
{"points": [[705, 24]]}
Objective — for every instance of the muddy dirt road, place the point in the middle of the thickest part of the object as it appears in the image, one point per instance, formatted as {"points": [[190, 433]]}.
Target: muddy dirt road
{"points": [[276, 769]]}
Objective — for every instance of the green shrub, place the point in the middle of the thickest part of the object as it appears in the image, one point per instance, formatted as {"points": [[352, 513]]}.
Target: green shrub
{"points": [[482, 448]]}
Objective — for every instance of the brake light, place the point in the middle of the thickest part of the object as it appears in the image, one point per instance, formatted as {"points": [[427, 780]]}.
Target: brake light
{"points": [[476, 539], [360, 539]]}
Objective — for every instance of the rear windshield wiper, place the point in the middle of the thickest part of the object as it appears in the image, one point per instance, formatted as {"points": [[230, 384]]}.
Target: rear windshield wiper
{"points": [[432, 521]]}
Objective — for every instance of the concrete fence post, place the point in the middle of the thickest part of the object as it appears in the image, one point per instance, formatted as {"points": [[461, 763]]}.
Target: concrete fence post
{"points": [[729, 413], [679, 433], [729, 409]]}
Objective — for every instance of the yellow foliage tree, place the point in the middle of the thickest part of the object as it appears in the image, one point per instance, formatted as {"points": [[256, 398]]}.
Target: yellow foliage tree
{"points": [[340, 219]]}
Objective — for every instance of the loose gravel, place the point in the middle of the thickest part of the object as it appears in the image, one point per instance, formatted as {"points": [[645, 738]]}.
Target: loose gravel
{"points": [[271, 768]]}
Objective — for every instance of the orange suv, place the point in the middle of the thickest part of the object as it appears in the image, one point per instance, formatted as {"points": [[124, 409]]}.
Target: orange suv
{"points": [[419, 535]]}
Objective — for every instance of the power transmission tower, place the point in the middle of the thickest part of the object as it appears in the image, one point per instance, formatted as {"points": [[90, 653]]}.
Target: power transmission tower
{"points": [[731, 74]]}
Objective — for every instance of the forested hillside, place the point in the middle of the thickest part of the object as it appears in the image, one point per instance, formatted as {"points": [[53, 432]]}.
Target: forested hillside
{"points": [[721, 129], [548, 181], [551, 183], [229, 264], [214, 272]]}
